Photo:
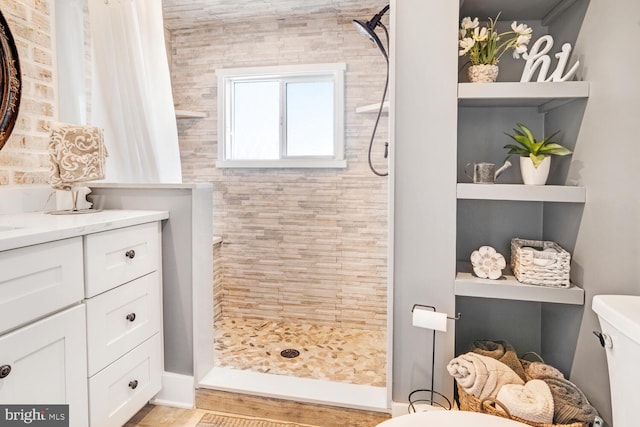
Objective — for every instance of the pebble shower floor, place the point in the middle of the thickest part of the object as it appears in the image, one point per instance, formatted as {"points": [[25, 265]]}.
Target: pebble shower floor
{"points": [[352, 356]]}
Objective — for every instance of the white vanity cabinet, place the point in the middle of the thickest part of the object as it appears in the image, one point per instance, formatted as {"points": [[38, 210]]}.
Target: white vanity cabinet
{"points": [[81, 313], [45, 363], [122, 285]]}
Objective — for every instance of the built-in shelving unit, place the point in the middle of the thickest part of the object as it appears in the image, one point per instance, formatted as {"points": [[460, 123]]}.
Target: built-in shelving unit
{"points": [[373, 108], [509, 288], [545, 96], [532, 318], [523, 193], [186, 114]]}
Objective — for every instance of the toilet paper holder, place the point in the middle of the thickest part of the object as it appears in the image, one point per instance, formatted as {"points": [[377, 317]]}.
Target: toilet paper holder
{"points": [[434, 309], [413, 398]]}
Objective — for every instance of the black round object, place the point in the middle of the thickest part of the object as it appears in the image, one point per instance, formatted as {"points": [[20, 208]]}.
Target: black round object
{"points": [[290, 353]]}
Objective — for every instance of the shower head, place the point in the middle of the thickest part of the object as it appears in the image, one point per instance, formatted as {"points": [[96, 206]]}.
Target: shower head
{"points": [[368, 29]]}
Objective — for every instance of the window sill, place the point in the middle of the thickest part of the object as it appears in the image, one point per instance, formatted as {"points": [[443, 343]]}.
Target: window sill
{"points": [[283, 164]]}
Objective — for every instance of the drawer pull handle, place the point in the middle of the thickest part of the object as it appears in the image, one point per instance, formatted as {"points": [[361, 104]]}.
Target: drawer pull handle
{"points": [[133, 384], [5, 370], [131, 317], [131, 254]]}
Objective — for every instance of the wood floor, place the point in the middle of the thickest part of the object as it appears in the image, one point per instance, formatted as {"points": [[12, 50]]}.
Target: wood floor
{"points": [[210, 401]]}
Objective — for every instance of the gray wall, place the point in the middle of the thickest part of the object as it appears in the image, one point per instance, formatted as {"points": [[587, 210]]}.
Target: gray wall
{"points": [[605, 257], [424, 187], [187, 266], [603, 234]]}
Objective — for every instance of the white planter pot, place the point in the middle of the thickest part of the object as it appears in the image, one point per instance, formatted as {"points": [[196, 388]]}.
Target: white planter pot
{"points": [[532, 175], [483, 73]]}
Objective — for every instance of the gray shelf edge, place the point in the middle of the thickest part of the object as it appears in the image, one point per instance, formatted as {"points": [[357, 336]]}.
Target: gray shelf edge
{"points": [[521, 192], [545, 95], [508, 288]]}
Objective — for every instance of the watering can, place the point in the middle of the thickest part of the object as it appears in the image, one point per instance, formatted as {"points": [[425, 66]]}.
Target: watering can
{"points": [[485, 173]]}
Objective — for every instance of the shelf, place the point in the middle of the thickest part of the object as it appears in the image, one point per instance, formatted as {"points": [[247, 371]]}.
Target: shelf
{"points": [[545, 96], [540, 10], [509, 288], [521, 192], [373, 108], [186, 114]]}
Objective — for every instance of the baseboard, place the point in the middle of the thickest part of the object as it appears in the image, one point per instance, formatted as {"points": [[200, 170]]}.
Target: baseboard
{"points": [[178, 391]]}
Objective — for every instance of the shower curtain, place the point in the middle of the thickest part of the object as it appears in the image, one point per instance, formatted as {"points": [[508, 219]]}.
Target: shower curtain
{"points": [[131, 91]]}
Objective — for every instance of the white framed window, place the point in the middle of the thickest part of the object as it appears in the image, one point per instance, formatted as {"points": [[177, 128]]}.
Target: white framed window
{"points": [[281, 116]]}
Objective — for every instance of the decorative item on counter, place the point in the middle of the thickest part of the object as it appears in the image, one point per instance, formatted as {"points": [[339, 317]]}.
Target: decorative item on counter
{"points": [[485, 173], [487, 263], [535, 155], [485, 46], [537, 59], [76, 154], [537, 262]]}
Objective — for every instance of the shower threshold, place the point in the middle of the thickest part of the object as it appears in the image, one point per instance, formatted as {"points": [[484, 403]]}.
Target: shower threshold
{"points": [[305, 390]]}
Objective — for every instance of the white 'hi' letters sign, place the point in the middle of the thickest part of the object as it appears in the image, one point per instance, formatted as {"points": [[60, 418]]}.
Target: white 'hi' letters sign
{"points": [[538, 58]]}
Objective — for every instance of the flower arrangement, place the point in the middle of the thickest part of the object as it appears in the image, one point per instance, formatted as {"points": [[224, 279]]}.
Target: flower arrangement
{"points": [[485, 46]]}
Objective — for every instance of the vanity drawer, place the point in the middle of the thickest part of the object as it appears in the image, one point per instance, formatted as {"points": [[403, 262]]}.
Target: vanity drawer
{"points": [[118, 256], [38, 280], [120, 319], [121, 389]]}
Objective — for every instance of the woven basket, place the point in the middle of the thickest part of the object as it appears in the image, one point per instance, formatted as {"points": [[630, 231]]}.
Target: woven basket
{"points": [[536, 267], [468, 402]]}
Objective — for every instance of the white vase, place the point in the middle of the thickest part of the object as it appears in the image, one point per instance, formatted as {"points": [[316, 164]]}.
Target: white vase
{"points": [[532, 175], [483, 73]]}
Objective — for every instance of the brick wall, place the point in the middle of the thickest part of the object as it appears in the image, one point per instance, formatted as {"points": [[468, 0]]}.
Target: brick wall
{"points": [[303, 245], [24, 158]]}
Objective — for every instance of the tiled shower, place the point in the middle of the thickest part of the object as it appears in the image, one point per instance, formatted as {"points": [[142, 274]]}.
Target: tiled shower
{"points": [[304, 251]]}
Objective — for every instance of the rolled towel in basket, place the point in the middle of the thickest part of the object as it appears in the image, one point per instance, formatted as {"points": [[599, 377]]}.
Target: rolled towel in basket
{"points": [[502, 351], [532, 401], [537, 370], [481, 376], [570, 403]]}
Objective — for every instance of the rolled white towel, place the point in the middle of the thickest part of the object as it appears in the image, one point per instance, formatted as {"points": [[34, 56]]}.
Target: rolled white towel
{"points": [[481, 376], [531, 402]]}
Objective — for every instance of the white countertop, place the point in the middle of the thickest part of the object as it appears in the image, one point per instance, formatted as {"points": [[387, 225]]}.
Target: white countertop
{"points": [[25, 229]]}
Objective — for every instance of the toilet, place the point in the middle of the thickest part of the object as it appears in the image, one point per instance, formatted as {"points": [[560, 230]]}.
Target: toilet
{"points": [[450, 419], [619, 317]]}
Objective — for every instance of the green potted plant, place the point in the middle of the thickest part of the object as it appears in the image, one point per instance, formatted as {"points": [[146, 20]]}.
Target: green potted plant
{"points": [[535, 156], [485, 46]]}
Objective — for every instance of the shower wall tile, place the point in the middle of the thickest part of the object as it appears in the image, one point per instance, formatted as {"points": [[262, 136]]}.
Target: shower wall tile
{"points": [[24, 158], [218, 274], [299, 245]]}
